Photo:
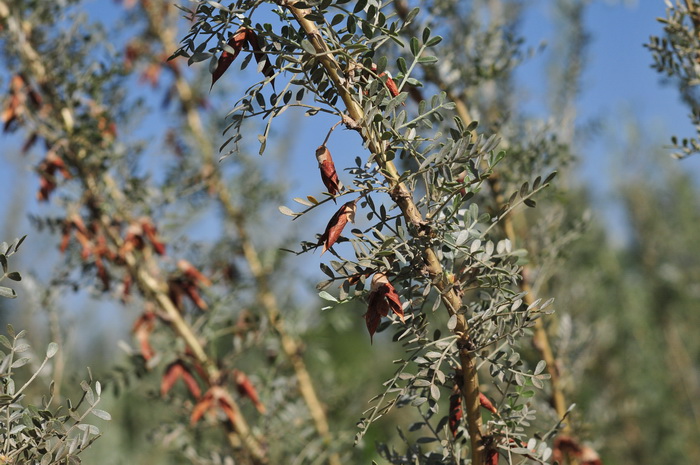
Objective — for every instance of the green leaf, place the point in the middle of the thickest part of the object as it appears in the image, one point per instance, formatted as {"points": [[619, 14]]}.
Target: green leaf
{"points": [[452, 322], [401, 65], [427, 60], [415, 46], [307, 46], [433, 41], [101, 414], [286, 211], [20, 362], [7, 293], [381, 65], [549, 178], [426, 34], [326, 296], [51, 350], [412, 14], [540, 367], [360, 5], [337, 19]]}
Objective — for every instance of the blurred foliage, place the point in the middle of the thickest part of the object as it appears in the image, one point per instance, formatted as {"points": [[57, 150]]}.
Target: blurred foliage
{"points": [[120, 139]]}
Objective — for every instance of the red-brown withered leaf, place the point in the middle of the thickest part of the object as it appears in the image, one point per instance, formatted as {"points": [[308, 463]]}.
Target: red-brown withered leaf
{"points": [[201, 408], [143, 327], [236, 42], [151, 233], [172, 373], [260, 56], [336, 224], [382, 298], [390, 84], [192, 273], [246, 389], [486, 403], [329, 175], [178, 370], [492, 457], [455, 418]]}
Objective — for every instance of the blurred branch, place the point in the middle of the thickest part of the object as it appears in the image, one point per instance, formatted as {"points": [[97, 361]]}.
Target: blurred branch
{"points": [[101, 190], [541, 337], [166, 34]]}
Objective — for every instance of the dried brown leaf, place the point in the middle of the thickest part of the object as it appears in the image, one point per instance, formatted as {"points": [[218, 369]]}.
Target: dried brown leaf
{"points": [[336, 224], [329, 175]]}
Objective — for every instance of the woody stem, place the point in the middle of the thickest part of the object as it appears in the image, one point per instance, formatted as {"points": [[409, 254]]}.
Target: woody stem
{"points": [[404, 199]]}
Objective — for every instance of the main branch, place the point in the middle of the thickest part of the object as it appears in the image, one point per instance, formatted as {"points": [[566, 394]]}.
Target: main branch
{"points": [[404, 199]]}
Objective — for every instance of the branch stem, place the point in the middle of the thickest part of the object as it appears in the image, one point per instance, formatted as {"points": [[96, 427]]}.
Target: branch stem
{"points": [[404, 199]]}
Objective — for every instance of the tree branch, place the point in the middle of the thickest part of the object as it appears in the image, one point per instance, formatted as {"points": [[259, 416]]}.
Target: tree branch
{"points": [[404, 199], [217, 187]]}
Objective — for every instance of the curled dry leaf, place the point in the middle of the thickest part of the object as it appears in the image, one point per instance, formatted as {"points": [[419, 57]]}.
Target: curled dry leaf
{"points": [[151, 233], [336, 224], [216, 396], [236, 42], [178, 370], [590, 456], [143, 327], [567, 447], [486, 403], [329, 175], [382, 298], [47, 171], [126, 287], [390, 84], [455, 418], [492, 457], [193, 273], [188, 283], [260, 56], [201, 408], [246, 389]]}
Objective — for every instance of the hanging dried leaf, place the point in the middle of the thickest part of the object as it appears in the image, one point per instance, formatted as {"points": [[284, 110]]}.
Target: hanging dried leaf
{"points": [[260, 56], [246, 389], [151, 233], [143, 327], [390, 84], [178, 370], [336, 224], [201, 408], [382, 298], [47, 171], [191, 290], [567, 447], [492, 457], [216, 396], [172, 374], [193, 273], [236, 42], [486, 403], [329, 175], [455, 418]]}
